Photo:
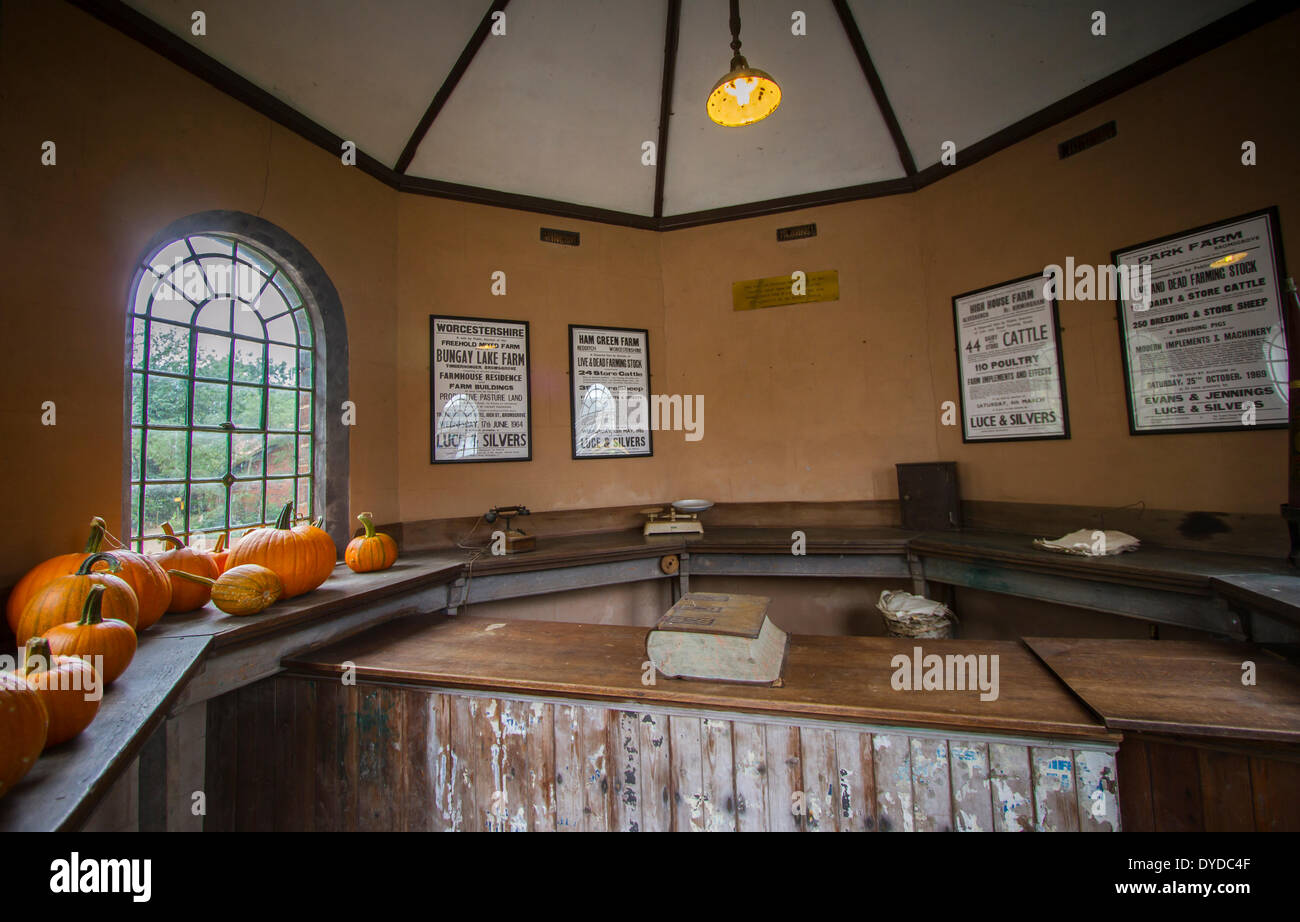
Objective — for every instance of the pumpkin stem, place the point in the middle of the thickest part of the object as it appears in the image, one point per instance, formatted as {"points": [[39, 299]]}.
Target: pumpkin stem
{"points": [[88, 565], [91, 611], [285, 519], [192, 577], [37, 656], [318, 522], [168, 536], [366, 519], [221, 543], [96, 539]]}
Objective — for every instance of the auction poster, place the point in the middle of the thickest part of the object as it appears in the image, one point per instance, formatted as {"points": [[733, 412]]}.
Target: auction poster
{"points": [[1205, 350], [1009, 361], [479, 389], [609, 369]]}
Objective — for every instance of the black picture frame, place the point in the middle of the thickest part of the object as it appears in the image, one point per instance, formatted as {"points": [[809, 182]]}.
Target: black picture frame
{"points": [[1275, 229], [1060, 366], [433, 389], [573, 394]]}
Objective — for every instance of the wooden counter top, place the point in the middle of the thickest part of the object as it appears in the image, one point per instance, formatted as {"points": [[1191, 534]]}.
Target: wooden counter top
{"points": [[830, 678], [1179, 687]]}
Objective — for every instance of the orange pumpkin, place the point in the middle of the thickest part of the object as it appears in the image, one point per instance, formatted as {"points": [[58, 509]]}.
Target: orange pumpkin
{"points": [[153, 590], [68, 686], [329, 552], [219, 554], [94, 636], [244, 590], [372, 551], [63, 599], [296, 555], [24, 724], [186, 595], [39, 576]]}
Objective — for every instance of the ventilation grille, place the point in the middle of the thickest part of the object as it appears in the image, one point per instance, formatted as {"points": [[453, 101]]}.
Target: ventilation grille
{"points": [[567, 238], [796, 232], [1086, 140]]}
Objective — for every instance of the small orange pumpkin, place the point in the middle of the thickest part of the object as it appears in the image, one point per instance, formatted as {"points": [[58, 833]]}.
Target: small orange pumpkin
{"points": [[24, 724], [372, 551], [296, 555], [64, 598], [40, 576], [153, 590], [95, 636], [68, 686], [219, 554], [186, 595], [243, 590]]}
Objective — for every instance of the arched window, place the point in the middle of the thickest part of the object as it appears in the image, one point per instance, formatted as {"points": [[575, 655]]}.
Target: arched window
{"points": [[597, 418], [226, 384]]}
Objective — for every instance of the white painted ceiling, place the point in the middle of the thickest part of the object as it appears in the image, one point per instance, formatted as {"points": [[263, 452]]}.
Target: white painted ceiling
{"points": [[560, 106]]}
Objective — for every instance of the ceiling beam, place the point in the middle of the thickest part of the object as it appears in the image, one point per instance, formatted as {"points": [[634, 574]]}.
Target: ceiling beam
{"points": [[877, 88], [671, 33], [444, 92]]}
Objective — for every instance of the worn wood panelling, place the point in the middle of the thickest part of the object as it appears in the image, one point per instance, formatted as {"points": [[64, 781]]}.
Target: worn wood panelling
{"points": [[514, 764], [749, 761], [656, 774], [380, 798], [687, 774], [568, 768], [785, 813], [438, 756], [855, 796], [972, 801], [931, 790], [1226, 793], [1176, 799], [222, 762], [463, 713], [625, 771], [893, 760], [719, 776], [820, 781], [539, 751], [417, 779], [596, 793], [1056, 806], [295, 745], [488, 768], [1133, 770], [1277, 794], [255, 771], [1097, 791], [1011, 784]]}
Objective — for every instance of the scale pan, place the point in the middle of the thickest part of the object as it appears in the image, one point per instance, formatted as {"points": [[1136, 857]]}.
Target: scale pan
{"points": [[692, 505]]}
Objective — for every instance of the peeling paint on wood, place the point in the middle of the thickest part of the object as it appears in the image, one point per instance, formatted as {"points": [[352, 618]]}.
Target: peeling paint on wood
{"points": [[1097, 791], [968, 772], [568, 769], [625, 772], [1055, 805], [931, 794], [656, 772], [749, 750], [892, 757], [718, 776], [687, 774], [785, 780], [820, 781], [855, 797], [1013, 790]]}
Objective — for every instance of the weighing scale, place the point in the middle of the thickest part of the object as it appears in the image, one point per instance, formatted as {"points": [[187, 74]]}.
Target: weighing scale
{"points": [[686, 522]]}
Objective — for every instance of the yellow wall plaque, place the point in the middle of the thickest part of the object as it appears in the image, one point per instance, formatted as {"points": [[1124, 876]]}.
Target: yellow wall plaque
{"points": [[781, 289]]}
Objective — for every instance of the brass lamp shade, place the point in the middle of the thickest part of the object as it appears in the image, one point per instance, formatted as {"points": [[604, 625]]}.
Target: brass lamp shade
{"points": [[744, 96]]}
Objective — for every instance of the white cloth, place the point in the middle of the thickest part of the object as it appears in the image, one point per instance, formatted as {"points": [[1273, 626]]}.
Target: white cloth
{"points": [[1091, 542]]}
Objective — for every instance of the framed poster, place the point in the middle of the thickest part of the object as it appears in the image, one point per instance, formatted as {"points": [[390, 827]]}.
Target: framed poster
{"points": [[1009, 363], [609, 410], [1202, 336], [480, 396]]}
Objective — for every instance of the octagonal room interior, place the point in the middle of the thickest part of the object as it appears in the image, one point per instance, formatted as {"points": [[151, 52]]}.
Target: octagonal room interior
{"points": [[545, 179]]}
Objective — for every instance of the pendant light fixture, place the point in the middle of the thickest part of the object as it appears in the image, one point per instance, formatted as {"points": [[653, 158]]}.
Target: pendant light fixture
{"points": [[745, 94]]}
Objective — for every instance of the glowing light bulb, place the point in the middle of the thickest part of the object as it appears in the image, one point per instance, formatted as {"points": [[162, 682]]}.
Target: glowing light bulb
{"points": [[741, 88]]}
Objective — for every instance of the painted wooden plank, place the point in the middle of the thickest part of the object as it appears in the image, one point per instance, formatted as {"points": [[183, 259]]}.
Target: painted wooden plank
{"points": [[931, 787], [514, 764], [568, 769], [596, 793], [1226, 794], [1056, 806], [749, 755], [656, 773], [221, 764], [489, 788], [464, 754], [1011, 782], [820, 781], [378, 765], [855, 794], [438, 757], [417, 783], [1097, 791], [625, 771], [687, 774], [785, 809], [968, 772], [1175, 788], [539, 756], [892, 757], [719, 776], [1133, 769], [327, 807]]}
